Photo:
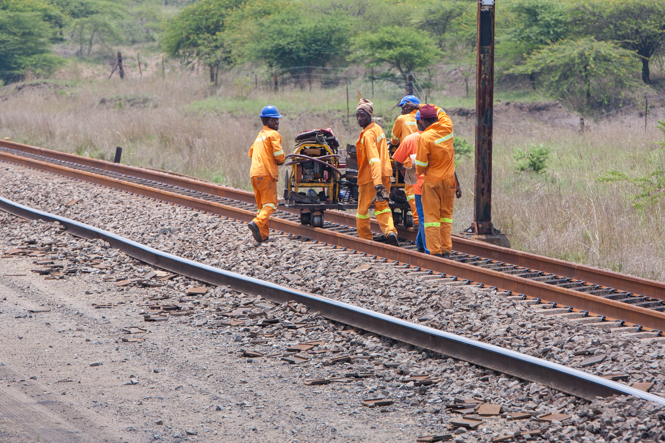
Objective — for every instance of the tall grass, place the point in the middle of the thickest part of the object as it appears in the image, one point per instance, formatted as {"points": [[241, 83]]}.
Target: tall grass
{"points": [[183, 125]]}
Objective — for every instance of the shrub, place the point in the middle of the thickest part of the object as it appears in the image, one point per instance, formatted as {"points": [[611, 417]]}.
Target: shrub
{"points": [[651, 186], [532, 160], [463, 149], [585, 73]]}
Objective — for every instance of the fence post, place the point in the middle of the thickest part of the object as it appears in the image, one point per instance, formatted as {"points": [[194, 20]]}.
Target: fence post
{"points": [[118, 154], [138, 62], [646, 111], [347, 103], [163, 69], [274, 78], [372, 82], [120, 68]]}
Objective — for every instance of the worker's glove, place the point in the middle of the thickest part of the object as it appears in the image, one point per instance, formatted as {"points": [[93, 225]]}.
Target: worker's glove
{"points": [[381, 193]]}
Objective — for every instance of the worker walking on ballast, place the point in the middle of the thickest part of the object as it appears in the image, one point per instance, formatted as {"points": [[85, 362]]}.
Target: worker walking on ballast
{"points": [[404, 126], [374, 172], [435, 159], [266, 154]]}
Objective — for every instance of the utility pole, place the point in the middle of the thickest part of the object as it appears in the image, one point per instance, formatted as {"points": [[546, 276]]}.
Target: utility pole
{"points": [[482, 228]]}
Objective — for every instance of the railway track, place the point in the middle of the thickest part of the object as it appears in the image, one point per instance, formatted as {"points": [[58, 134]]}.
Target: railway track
{"points": [[565, 379], [601, 295]]}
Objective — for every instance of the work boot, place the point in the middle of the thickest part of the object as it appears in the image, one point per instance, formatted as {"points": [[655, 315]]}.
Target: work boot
{"points": [[421, 250], [443, 255], [392, 239], [256, 232]]}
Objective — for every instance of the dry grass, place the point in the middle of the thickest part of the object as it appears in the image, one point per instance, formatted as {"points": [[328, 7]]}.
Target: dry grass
{"points": [[182, 125]]}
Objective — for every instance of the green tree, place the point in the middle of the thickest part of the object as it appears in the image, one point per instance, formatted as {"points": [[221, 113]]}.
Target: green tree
{"points": [[91, 21], [197, 34], [439, 17], [295, 41], [26, 31], [527, 26], [585, 73], [404, 49], [637, 25]]}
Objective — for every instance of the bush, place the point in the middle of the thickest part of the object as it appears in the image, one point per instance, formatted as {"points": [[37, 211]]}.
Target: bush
{"points": [[651, 186], [585, 73], [532, 160], [463, 149]]}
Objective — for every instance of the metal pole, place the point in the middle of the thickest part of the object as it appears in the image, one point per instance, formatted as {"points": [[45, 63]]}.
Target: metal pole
{"points": [[482, 223], [646, 111], [347, 104], [118, 154]]}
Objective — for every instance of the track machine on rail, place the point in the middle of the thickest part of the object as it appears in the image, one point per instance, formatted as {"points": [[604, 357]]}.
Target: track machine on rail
{"points": [[314, 181], [402, 214]]}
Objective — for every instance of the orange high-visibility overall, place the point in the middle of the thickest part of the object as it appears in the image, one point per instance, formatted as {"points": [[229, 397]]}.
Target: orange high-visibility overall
{"points": [[435, 159], [404, 126], [266, 153], [373, 169]]}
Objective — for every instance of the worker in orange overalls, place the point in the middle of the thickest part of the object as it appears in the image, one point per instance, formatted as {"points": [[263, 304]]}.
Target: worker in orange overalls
{"points": [[266, 153], [374, 172], [435, 159], [405, 125]]}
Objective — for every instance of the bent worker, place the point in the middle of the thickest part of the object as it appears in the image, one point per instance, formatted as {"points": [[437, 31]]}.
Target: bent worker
{"points": [[435, 159], [266, 153], [404, 126], [374, 172], [404, 159]]}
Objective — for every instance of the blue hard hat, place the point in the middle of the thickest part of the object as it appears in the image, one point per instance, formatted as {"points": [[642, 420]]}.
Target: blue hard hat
{"points": [[409, 98], [418, 116], [270, 111]]}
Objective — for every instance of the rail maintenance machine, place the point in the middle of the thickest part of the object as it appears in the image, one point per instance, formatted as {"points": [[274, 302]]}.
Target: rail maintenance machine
{"points": [[315, 181]]}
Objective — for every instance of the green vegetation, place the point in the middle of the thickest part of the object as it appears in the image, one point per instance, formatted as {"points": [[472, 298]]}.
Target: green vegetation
{"points": [[651, 186], [585, 73], [404, 49], [27, 31], [463, 149], [637, 25], [588, 53], [532, 160]]}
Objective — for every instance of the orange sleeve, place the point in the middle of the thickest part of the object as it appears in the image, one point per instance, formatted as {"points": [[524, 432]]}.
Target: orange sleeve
{"points": [[277, 151], [396, 134], [422, 156]]}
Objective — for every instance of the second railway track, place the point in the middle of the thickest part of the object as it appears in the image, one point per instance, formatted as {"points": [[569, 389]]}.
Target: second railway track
{"points": [[590, 291]]}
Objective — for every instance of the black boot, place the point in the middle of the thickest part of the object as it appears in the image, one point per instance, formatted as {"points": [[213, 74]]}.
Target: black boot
{"points": [[256, 232], [392, 239]]}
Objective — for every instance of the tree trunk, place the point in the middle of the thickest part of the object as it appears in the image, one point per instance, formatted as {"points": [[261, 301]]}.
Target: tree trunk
{"points": [[587, 87], [212, 74], [92, 37], [645, 70]]}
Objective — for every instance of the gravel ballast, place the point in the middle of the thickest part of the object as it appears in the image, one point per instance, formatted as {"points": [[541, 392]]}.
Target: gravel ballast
{"points": [[473, 312]]}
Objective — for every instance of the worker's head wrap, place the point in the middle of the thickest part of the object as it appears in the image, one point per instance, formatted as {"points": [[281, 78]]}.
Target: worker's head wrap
{"points": [[366, 106], [427, 112]]}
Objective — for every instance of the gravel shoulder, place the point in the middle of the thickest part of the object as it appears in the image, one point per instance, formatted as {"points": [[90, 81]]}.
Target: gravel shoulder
{"points": [[208, 364]]}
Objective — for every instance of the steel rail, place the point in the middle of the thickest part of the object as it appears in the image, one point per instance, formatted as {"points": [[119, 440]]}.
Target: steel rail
{"points": [[565, 379], [545, 264], [566, 297]]}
